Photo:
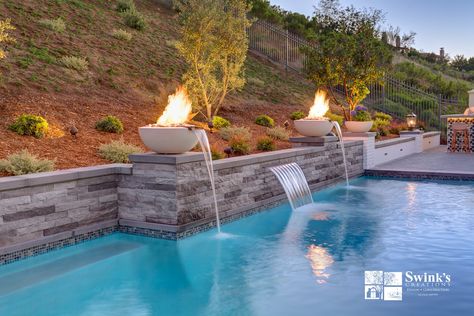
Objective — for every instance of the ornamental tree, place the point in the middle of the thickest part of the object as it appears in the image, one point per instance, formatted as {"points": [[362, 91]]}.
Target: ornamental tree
{"points": [[214, 46], [348, 53], [5, 26]]}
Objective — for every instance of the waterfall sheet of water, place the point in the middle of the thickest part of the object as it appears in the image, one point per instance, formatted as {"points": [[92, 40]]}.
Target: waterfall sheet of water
{"points": [[294, 183], [341, 142], [206, 150]]}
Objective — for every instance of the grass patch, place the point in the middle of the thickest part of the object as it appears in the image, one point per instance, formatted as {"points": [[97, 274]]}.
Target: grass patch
{"points": [[229, 132], [73, 62], [279, 133], [117, 151], [25, 62], [134, 19], [24, 163], [57, 25], [42, 54], [266, 144], [264, 120], [122, 35], [124, 5]]}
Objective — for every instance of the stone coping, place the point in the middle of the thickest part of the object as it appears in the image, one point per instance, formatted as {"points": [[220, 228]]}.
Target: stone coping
{"points": [[395, 141], [42, 178], [421, 174], [431, 134], [471, 116], [168, 159], [364, 135]]}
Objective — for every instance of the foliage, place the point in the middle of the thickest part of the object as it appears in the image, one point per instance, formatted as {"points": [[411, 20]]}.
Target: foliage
{"points": [[24, 163], [125, 5], [239, 145], [220, 122], [265, 144], [229, 132], [278, 132], [264, 120], [214, 46], [117, 151], [334, 117], [216, 154], [73, 62], [122, 35], [360, 114], [294, 22], [57, 25], [134, 19], [5, 26], [382, 116], [297, 115], [349, 53], [255, 82], [28, 124], [110, 124], [380, 124], [42, 54]]}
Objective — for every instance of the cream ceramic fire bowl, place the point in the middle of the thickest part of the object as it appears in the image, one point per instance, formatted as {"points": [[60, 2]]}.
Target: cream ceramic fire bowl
{"points": [[314, 128], [168, 140], [358, 127]]}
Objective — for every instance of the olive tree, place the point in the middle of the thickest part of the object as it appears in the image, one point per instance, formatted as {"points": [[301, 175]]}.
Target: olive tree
{"points": [[214, 46], [348, 53]]}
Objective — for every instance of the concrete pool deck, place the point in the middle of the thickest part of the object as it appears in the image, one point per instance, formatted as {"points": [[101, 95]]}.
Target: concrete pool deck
{"points": [[433, 163]]}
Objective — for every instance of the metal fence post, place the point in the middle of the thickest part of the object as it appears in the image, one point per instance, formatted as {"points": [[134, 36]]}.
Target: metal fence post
{"points": [[287, 50]]}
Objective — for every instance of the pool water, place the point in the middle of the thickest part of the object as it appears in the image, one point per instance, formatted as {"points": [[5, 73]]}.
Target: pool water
{"points": [[278, 262]]}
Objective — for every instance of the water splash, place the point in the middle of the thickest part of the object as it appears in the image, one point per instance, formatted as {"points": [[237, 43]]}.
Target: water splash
{"points": [[341, 142], [206, 150], [294, 183]]}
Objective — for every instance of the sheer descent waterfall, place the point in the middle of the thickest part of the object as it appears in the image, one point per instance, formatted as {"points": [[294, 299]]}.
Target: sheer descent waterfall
{"points": [[206, 150], [294, 183]]}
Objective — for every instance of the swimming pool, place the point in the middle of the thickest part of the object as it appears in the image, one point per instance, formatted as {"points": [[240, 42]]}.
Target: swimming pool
{"points": [[278, 262]]}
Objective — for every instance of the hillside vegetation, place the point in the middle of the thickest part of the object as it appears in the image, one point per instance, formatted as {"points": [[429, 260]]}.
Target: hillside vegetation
{"points": [[76, 61]]}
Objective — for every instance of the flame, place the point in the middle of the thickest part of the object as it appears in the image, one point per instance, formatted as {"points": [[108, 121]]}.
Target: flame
{"points": [[178, 109], [320, 106]]}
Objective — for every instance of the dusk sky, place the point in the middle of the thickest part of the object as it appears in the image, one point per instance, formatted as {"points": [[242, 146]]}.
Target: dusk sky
{"points": [[437, 23]]}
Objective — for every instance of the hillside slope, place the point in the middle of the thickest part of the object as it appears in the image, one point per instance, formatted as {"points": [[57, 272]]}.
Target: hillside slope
{"points": [[129, 79]]}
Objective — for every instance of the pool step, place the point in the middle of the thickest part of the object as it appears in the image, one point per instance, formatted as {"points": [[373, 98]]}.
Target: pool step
{"points": [[28, 277]]}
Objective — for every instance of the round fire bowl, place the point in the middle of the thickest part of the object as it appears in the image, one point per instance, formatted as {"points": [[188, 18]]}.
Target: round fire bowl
{"points": [[168, 140], [316, 128]]}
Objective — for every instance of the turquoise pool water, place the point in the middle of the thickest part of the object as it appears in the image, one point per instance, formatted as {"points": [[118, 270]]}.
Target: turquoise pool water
{"points": [[309, 262]]}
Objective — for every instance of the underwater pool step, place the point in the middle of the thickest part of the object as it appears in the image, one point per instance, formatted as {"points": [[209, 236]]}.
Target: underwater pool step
{"points": [[25, 278]]}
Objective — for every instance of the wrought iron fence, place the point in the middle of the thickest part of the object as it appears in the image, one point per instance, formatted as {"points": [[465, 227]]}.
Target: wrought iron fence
{"points": [[394, 97]]}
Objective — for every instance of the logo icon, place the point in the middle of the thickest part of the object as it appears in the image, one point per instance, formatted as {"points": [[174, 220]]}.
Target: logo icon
{"points": [[380, 285]]}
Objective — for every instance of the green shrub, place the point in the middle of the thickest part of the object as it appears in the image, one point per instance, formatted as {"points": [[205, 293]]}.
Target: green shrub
{"points": [[216, 154], [239, 145], [335, 118], [380, 124], [42, 54], [122, 35], [73, 62], [229, 132], [265, 144], [117, 151], [28, 124], [297, 115], [110, 124], [124, 5], [24, 162], [220, 122], [58, 25], [362, 116], [279, 133], [264, 120], [383, 116], [134, 19]]}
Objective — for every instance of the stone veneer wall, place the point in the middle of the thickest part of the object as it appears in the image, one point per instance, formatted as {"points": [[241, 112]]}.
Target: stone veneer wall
{"points": [[58, 205], [174, 193], [166, 196]]}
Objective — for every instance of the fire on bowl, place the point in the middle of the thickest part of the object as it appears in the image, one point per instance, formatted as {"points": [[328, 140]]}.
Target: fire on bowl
{"points": [[314, 128], [168, 140]]}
